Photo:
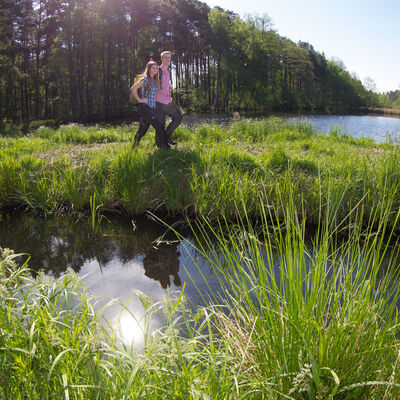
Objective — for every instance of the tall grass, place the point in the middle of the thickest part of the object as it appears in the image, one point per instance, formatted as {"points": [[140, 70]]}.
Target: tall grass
{"points": [[307, 322], [78, 134], [54, 344], [213, 169], [294, 321]]}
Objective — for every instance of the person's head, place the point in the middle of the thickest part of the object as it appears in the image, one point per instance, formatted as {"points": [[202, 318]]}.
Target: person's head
{"points": [[166, 57], [151, 71]]}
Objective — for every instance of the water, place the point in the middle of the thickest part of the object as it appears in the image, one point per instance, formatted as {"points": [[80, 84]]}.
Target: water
{"points": [[114, 262], [374, 127], [378, 128]]}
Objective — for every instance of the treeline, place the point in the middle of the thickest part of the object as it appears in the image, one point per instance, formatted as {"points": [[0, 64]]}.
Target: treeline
{"points": [[390, 99], [76, 59]]}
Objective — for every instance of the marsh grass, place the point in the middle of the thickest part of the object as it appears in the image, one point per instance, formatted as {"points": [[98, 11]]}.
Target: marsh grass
{"points": [[293, 320], [305, 321], [213, 168], [55, 344]]}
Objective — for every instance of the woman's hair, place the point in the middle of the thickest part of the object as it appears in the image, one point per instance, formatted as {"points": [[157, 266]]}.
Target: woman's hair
{"points": [[146, 73]]}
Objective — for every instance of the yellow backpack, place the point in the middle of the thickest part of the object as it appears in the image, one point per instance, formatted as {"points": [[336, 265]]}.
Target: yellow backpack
{"points": [[136, 80]]}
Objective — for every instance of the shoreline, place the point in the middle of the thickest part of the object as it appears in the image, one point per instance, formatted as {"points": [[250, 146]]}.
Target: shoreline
{"points": [[26, 127], [383, 111]]}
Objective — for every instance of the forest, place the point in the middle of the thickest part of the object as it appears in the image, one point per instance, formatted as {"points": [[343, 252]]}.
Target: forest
{"points": [[74, 60]]}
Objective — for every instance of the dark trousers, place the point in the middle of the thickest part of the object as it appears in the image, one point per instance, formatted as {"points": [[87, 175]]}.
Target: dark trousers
{"points": [[148, 117], [173, 111]]}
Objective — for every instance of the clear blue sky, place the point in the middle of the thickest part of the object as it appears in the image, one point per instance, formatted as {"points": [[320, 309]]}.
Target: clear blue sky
{"points": [[364, 34]]}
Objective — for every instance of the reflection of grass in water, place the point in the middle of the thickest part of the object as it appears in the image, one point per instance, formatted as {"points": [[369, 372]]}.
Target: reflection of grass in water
{"points": [[318, 325], [214, 168]]}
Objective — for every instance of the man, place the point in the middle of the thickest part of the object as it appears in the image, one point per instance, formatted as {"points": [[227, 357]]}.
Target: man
{"points": [[164, 104]]}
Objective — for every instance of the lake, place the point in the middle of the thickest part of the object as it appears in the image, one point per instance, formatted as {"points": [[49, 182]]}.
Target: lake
{"points": [[376, 127]]}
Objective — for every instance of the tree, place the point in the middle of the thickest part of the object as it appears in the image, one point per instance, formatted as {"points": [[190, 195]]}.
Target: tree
{"points": [[370, 84], [76, 59]]}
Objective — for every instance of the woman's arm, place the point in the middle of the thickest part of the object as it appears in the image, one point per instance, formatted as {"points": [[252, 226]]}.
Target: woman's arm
{"points": [[134, 92]]}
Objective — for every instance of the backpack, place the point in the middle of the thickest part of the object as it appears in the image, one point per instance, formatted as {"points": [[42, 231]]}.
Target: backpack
{"points": [[133, 101], [131, 98]]}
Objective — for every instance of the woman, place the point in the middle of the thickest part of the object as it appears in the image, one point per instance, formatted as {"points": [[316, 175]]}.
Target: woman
{"points": [[148, 86]]}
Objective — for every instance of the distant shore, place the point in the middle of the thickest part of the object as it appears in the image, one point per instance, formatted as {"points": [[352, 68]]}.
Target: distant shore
{"points": [[377, 110]]}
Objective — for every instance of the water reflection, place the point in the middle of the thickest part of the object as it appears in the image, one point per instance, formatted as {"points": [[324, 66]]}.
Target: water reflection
{"points": [[114, 262], [55, 244], [161, 262], [117, 286]]}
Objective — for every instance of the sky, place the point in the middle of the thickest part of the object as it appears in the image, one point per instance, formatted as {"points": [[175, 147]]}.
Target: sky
{"points": [[364, 34]]}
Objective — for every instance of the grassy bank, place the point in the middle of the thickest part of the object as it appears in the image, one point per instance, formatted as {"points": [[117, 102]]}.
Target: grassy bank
{"points": [[214, 170], [295, 323]]}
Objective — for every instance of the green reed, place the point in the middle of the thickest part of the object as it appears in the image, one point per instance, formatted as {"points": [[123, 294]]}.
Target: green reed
{"points": [[295, 319], [307, 321], [213, 169], [55, 343]]}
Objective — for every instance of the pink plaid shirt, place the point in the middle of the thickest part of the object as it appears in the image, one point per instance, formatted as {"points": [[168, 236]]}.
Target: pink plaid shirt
{"points": [[163, 95]]}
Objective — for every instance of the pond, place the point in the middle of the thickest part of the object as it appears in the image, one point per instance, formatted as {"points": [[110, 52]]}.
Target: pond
{"points": [[116, 259], [378, 128]]}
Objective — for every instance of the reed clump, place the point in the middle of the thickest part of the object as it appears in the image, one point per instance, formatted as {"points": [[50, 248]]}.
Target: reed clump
{"points": [[306, 321]]}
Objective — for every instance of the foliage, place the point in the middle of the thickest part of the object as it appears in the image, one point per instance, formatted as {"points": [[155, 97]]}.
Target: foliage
{"points": [[75, 61], [390, 99]]}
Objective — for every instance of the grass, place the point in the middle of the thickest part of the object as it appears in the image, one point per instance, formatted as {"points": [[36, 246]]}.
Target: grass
{"points": [[295, 321], [307, 322], [213, 168], [53, 345]]}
